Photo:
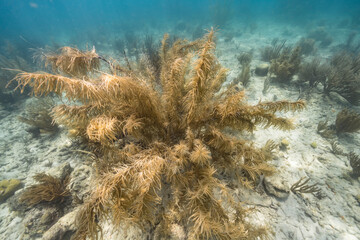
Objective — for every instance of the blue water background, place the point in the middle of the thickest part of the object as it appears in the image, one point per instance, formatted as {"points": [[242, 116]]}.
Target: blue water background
{"points": [[41, 22]]}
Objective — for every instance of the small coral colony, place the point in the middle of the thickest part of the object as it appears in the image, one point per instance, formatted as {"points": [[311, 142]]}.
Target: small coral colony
{"points": [[166, 132]]}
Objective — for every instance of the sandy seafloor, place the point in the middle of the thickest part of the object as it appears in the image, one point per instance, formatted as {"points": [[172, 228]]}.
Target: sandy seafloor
{"points": [[300, 216]]}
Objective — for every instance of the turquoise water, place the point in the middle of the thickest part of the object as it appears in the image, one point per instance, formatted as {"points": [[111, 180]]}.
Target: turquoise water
{"points": [[45, 21]]}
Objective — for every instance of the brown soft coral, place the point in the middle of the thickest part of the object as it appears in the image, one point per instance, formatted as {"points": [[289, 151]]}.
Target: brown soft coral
{"points": [[49, 189], [165, 155], [287, 65]]}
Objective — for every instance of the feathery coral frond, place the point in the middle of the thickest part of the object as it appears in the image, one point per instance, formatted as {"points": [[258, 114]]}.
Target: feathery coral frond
{"points": [[284, 106], [49, 189], [198, 84], [200, 155], [45, 83], [131, 126], [102, 129], [72, 116], [87, 220], [73, 62]]}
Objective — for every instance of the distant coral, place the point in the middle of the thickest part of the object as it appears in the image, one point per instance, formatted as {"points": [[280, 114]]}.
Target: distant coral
{"points": [[8, 63], [150, 49], [347, 121], [352, 44], [344, 77], [244, 76], [313, 72], [325, 131], [119, 45], [165, 155], [38, 117], [307, 46], [286, 65], [245, 58], [269, 53], [321, 35], [132, 44]]}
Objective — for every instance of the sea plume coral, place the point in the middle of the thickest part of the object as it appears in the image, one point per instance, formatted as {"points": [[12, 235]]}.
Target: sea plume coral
{"points": [[313, 72], [49, 189], [354, 163], [347, 121], [287, 64], [39, 119], [165, 155], [272, 52], [344, 77], [71, 61], [244, 76]]}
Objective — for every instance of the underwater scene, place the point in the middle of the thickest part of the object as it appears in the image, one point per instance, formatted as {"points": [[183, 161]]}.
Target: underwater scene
{"points": [[179, 120]]}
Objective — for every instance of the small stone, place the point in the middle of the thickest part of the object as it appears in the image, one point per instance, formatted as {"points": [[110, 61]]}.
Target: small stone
{"points": [[38, 220], [276, 187], [61, 171], [357, 197], [47, 217], [313, 145], [63, 228], [284, 144], [322, 159], [262, 69]]}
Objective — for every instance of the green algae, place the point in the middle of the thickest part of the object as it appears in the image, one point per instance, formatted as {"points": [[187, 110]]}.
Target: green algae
{"points": [[8, 187]]}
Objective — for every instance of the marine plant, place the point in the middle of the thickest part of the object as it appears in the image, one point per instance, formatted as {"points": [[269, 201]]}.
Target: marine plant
{"points": [[49, 189], [269, 53], [168, 150], [352, 43], [118, 45], [244, 76], [11, 62], [245, 58], [344, 77], [38, 117], [335, 149], [354, 163], [347, 121], [307, 46], [151, 53], [286, 65], [132, 44], [301, 186], [313, 72], [320, 34], [266, 85]]}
